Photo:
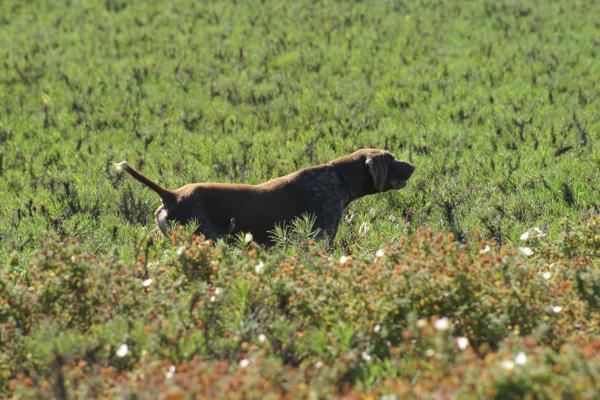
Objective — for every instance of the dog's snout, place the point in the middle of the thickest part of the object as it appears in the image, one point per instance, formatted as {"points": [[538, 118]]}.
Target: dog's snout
{"points": [[406, 169], [411, 169]]}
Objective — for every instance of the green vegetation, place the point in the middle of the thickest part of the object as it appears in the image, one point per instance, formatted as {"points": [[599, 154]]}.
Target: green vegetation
{"points": [[423, 316], [496, 102]]}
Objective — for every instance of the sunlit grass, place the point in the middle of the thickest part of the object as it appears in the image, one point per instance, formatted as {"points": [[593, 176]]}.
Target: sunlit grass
{"points": [[478, 280]]}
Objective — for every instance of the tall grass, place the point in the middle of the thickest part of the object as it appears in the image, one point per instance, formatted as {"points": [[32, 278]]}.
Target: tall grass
{"points": [[428, 292]]}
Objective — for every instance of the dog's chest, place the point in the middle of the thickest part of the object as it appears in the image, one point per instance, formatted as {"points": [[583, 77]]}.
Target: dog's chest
{"points": [[324, 191]]}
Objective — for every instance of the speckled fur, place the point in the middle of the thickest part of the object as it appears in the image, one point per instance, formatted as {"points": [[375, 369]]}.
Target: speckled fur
{"points": [[327, 198]]}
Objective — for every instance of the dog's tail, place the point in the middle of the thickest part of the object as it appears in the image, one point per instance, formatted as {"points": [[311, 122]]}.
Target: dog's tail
{"points": [[167, 196]]}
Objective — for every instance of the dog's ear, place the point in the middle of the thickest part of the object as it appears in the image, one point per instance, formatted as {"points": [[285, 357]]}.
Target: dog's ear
{"points": [[378, 170]]}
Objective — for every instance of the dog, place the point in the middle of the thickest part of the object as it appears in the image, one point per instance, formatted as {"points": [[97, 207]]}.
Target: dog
{"points": [[322, 191]]}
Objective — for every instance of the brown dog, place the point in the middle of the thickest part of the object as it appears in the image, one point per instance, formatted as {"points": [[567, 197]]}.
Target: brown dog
{"points": [[323, 191]]}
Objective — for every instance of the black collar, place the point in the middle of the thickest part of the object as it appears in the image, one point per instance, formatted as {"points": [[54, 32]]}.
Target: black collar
{"points": [[344, 182]]}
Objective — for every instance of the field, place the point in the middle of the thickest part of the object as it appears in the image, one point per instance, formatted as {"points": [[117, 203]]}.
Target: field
{"points": [[432, 291]]}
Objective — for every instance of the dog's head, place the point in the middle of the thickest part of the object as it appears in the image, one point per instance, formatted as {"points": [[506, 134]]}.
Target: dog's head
{"points": [[386, 172]]}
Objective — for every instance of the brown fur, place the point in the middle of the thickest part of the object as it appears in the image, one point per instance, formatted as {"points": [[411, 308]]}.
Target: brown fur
{"points": [[323, 191]]}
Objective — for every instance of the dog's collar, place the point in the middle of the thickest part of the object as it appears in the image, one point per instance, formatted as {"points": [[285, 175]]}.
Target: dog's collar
{"points": [[344, 182]]}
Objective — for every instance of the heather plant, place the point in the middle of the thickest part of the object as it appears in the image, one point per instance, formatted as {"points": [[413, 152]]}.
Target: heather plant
{"points": [[422, 313]]}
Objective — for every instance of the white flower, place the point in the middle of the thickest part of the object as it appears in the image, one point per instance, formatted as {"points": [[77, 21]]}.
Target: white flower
{"points": [[262, 338], [462, 342], [248, 238], [366, 357], [546, 275], [442, 324], [181, 250], [380, 253], [218, 292], [122, 351], [377, 328], [147, 282], [556, 309], [259, 267], [421, 323], [364, 228], [344, 259], [389, 397], [244, 363], [521, 358], [508, 365], [486, 249], [392, 219], [526, 251], [170, 373], [539, 232], [319, 364]]}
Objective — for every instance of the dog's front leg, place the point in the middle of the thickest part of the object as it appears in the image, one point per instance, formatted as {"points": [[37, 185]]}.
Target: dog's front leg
{"points": [[327, 223]]}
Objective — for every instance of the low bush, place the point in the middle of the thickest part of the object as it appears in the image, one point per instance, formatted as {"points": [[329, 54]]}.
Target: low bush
{"points": [[423, 317]]}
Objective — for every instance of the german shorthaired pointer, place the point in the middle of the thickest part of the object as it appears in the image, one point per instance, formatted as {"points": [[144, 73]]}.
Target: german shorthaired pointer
{"points": [[323, 191]]}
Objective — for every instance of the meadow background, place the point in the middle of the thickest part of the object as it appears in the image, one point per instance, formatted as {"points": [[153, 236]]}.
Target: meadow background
{"points": [[496, 103]]}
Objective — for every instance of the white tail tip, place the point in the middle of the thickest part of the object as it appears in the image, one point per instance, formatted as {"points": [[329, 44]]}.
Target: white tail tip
{"points": [[122, 166]]}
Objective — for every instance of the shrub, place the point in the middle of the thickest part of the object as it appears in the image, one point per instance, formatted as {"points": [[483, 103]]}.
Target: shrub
{"points": [[290, 322]]}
